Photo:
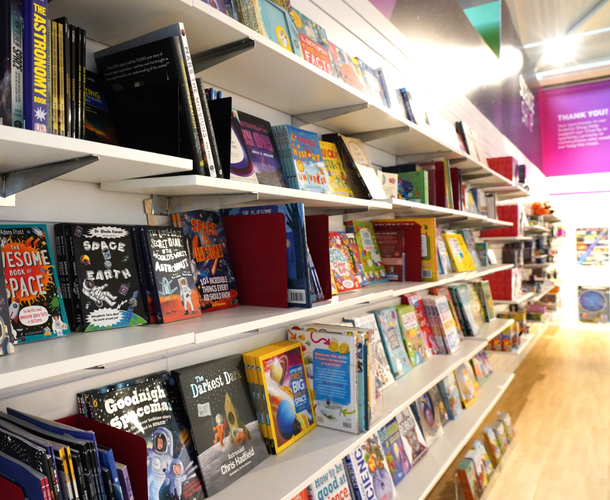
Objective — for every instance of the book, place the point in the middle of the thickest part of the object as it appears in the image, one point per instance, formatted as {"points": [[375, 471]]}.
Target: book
{"points": [[467, 384], [33, 484], [443, 325], [469, 311], [480, 454], [389, 184], [314, 43], [487, 302], [413, 186], [395, 455], [354, 257], [105, 275], [368, 250], [415, 299], [337, 176], [429, 256], [508, 426], [439, 404], [482, 250], [210, 258], [98, 121], [400, 248], [223, 424], [375, 84], [11, 74], [444, 291], [412, 336], [492, 446], [500, 432], [468, 480], [36, 307], [331, 483], [429, 418], [301, 158], [106, 457], [124, 481], [406, 99], [458, 251], [451, 396], [389, 328], [169, 270], [412, 438], [471, 246], [344, 274], [346, 68], [277, 25]]}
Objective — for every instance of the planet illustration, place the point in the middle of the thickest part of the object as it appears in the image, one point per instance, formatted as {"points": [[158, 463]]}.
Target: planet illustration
{"points": [[286, 419], [592, 301], [278, 369]]}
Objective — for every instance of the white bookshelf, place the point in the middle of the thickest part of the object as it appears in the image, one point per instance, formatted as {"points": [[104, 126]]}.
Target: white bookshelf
{"points": [[519, 300], [493, 329]]}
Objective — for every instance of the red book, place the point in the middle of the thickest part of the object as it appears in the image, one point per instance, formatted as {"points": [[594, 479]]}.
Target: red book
{"points": [[506, 166], [440, 184], [415, 299], [456, 187]]}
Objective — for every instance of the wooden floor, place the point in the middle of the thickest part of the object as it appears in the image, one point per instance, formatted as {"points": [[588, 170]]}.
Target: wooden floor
{"points": [[559, 402]]}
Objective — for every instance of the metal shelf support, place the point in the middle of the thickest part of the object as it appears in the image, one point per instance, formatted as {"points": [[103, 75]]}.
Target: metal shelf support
{"points": [[327, 114], [165, 205], [208, 58]]}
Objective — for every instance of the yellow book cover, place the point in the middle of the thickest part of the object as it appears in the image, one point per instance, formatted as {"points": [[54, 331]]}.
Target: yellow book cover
{"points": [[337, 176], [429, 255], [287, 395], [458, 251]]}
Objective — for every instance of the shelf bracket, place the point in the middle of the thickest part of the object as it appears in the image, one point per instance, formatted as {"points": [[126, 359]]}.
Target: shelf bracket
{"points": [[373, 135], [19, 180], [414, 158], [208, 58], [457, 160], [327, 114], [166, 205], [481, 175]]}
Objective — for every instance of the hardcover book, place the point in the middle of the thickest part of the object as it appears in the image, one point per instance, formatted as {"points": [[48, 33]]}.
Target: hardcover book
{"points": [[451, 396], [36, 307], [413, 186], [337, 176], [412, 336], [458, 251], [415, 299], [439, 404], [368, 250], [429, 418], [487, 302], [223, 423], [467, 384], [374, 84], [412, 438], [314, 43], [389, 327], [210, 259], [395, 455], [471, 246], [98, 122], [491, 444], [344, 274], [332, 483], [469, 482]]}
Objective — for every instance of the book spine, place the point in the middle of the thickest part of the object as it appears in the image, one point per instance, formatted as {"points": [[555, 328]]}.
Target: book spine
{"points": [[79, 320], [210, 128], [125, 483], [54, 76], [54, 481], [150, 274], [71, 465], [61, 79], [354, 479], [16, 57], [77, 83], [63, 274], [83, 80], [36, 91], [72, 49], [67, 79]]}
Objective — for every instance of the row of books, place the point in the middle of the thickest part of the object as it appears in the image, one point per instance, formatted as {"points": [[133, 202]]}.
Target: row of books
{"points": [[476, 469]]}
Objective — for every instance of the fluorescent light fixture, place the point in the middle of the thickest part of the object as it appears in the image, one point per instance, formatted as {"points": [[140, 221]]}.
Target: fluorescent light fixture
{"points": [[560, 50], [572, 69]]}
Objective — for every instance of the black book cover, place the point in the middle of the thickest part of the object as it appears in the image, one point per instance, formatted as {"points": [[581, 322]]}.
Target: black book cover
{"points": [[221, 114], [98, 122], [224, 427], [210, 128], [107, 276]]}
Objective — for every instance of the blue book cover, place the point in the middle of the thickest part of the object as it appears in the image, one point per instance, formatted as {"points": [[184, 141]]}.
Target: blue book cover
{"points": [[106, 457], [393, 448], [389, 327], [278, 26], [30, 481], [36, 77], [296, 247]]}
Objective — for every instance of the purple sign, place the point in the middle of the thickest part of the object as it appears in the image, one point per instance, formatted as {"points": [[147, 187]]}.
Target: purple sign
{"points": [[576, 129]]}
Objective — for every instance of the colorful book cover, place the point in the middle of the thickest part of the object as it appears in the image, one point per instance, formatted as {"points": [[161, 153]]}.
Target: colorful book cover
{"points": [[216, 4], [389, 327], [484, 292], [464, 300], [368, 250], [395, 455], [439, 404], [500, 432], [341, 265], [36, 66], [369, 471], [480, 453], [314, 43], [430, 419], [331, 483], [354, 256], [467, 384], [296, 247], [415, 299], [286, 395], [374, 87], [491, 444], [451, 396], [7, 333], [224, 428], [508, 426], [472, 248], [412, 336], [389, 184], [210, 259], [106, 276], [442, 322], [468, 480], [301, 157], [36, 307], [170, 270], [242, 168], [337, 176], [346, 68], [485, 364], [443, 255], [98, 122], [276, 24], [444, 291], [413, 186], [152, 409], [429, 259], [412, 438], [458, 251]]}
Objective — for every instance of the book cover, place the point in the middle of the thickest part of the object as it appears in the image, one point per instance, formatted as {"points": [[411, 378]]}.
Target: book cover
{"points": [[444, 291], [412, 438], [439, 404], [430, 418], [389, 328], [359, 160], [482, 249], [124, 481], [36, 307], [389, 184], [296, 247], [413, 186], [98, 122], [412, 336], [399, 249], [443, 255], [242, 168], [106, 276], [393, 448], [368, 251], [34, 485], [337, 176], [346, 68], [451, 396], [429, 259], [467, 384], [465, 301], [314, 43], [442, 322], [508, 426], [491, 444], [331, 483], [152, 409], [354, 257], [406, 98], [500, 432], [277, 25], [487, 302], [479, 448], [216, 4], [374, 86], [341, 265], [11, 74], [468, 480], [168, 264], [479, 468], [458, 251], [223, 424], [210, 259], [471, 246], [369, 471], [415, 299]]}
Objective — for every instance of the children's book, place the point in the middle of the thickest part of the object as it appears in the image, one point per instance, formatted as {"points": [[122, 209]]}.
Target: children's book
{"points": [[395, 455], [444, 291], [275, 23], [210, 259], [467, 384], [482, 249], [413, 186], [337, 176], [458, 251], [33, 484], [412, 438], [361, 164], [429, 418], [479, 451], [341, 263], [36, 309], [477, 369], [472, 248], [429, 259], [368, 250], [374, 85], [346, 68], [487, 302], [491, 444], [442, 322], [500, 432], [415, 299], [464, 302], [301, 158], [242, 167], [469, 482], [314, 43], [451, 396], [389, 327], [124, 481], [443, 255], [439, 404], [389, 184], [412, 336], [369, 471], [354, 256], [508, 426], [331, 483], [224, 428]]}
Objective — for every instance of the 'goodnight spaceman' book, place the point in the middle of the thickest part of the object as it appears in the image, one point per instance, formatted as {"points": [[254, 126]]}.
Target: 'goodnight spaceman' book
{"points": [[224, 427]]}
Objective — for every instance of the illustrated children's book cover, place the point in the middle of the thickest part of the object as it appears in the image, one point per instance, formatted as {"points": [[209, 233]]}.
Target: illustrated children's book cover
{"points": [[415, 299], [151, 409], [106, 278], [458, 251], [430, 418], [354, 257], [491, 444], [480, 465], [368, 249], [412, 336], [346, 68], [341, 263], [467, 384], [412, 438], [480, 449], [224, 427], [314, 43], [389, 327], [451, 396], [36, 308], [469, 482], [337, 176], [170, 273], [331, 484], [210, 259], [396, 458]]}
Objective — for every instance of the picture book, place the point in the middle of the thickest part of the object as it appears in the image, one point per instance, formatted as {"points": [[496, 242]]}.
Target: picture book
{"points": [[153, 410], [106, 277], [458, 252], [36, 309], [301, 158], [337, 176], [341, 264], [331, 483], [223, 423], [368, 250], [500, 432], [374, 85], [508, 426], [242, 167], [331, 366], [169, 269], [98, 122], [389, 328], [354, 256], [487, 302], [429, 418], [286, 393], [395, 455], [479, 451], [261, 149], [412, 438], [314, 43], [444, 262], [369, 471], [467, 384], [276, 24], [429, 261], [451, 396], [359, 160], [296, 247], [389, 184], [442, 322], [482, 249], [463, 300], [491, 444], [477, 369], [468, 480], [471, 245], [412, 336], [439, 404], [415, 299], [210, 259], [444, 291], [413, 186], [346, 68]]}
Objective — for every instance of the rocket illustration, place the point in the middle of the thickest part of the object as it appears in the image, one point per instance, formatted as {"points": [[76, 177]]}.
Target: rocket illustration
{"points": [[238, 431]]}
